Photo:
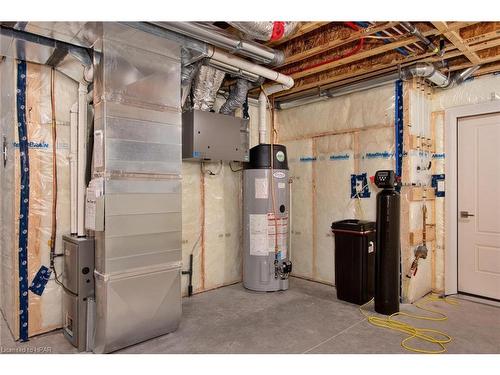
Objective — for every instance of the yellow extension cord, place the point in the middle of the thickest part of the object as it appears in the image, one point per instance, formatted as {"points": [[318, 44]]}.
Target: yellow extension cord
{"points": [[424, 334]]}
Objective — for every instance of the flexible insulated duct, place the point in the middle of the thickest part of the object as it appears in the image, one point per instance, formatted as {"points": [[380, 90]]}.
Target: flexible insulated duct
{"points": [[188, 72], [206, 84], [237, 96], [429, 71], [266, 31], [219, 38]]}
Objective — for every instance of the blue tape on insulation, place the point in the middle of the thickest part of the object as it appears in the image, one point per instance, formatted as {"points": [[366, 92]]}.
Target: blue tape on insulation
{"points": [[24, 196]]}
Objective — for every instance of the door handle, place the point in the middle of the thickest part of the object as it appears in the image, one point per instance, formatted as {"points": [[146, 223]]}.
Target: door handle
{"points": [[4, 151], [465, 214]]}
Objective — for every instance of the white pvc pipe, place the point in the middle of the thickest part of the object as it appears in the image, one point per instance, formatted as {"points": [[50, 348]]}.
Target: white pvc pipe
{"points": [[286, 82], [282, 82], [73, 153], [82, 156], [262, 117]]}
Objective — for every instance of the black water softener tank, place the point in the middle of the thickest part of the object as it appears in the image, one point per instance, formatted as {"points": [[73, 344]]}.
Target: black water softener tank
{"points": [[387, 258]]}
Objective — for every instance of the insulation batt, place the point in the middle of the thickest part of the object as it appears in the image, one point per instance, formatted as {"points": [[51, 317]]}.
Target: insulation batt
{"points": [[321, 165], [45, 310]]}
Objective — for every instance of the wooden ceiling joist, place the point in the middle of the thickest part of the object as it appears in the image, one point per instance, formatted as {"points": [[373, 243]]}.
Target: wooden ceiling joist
{"points": [[466, 44], [454, 37], [482, 38], [356, 35], [358, 56], [368, 53]]}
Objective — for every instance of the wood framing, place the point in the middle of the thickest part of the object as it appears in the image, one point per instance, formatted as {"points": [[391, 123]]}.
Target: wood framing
{"points": [[338, 43], [455, 38], [388, 46]]}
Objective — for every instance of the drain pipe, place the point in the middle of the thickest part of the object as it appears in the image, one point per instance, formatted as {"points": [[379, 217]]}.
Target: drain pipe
{"points": [[73, 137], [262, 117], [82, 148], [283, 81], [82, 155], [219, 38]]}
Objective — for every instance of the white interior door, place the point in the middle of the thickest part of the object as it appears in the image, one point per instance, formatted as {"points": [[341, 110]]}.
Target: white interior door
{"points": [[479, 205]]}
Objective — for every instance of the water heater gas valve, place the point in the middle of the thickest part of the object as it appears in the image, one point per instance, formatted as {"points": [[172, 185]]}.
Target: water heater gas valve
{"points": [[284, 269]]}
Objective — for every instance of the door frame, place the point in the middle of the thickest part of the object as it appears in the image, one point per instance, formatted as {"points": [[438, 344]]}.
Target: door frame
{"points": [[451, 117]]}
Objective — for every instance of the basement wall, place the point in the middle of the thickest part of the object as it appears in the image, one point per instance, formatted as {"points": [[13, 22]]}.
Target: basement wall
{"points": [[327, 142], [212, 218], [45, 312], [357, 126]]}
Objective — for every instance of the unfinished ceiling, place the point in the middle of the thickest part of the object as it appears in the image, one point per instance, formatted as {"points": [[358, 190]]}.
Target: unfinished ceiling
{"points": [[321, 55]]}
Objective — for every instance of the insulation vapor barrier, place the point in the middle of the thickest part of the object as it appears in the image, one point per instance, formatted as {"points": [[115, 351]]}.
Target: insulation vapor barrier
{"points": [[477, 90], [212, 203], [328, 143], [359, 110], [44, 310]]}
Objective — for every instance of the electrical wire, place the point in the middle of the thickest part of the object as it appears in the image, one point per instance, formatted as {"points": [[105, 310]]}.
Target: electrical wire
{"points": [[209, 172], [53, 233], [235, 170], [426, 335]]}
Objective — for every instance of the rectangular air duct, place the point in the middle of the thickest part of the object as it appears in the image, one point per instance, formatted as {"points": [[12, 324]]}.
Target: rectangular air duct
{"points": [[137, 168]]}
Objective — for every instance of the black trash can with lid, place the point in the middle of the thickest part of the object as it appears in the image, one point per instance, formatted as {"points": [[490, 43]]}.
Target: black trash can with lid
{"points": [[354, 260]]}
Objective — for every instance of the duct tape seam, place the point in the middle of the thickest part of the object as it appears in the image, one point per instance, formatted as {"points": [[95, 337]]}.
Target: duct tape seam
{"points": [[24, 199]]}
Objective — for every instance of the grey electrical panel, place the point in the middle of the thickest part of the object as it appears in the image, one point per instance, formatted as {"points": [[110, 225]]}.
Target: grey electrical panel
{"points": [[214, 136], [78, 280]]}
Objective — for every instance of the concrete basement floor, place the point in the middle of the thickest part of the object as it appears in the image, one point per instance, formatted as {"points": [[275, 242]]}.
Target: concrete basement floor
{"points": [[305, 319]]}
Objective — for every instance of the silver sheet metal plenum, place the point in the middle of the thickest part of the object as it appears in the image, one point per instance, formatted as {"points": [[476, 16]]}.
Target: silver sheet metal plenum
{"points": [[137, 149]]}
